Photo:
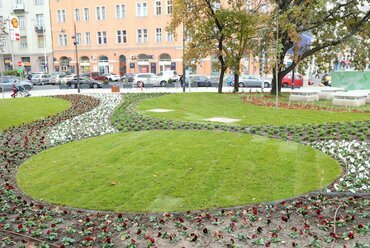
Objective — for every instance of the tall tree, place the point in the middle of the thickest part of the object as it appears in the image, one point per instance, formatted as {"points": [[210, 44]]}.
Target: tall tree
{"points": [[241, 30], [332, 23], [203, 29]]}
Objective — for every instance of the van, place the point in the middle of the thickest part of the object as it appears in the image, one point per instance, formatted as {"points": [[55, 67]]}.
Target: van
{"points": [[171, 74]]}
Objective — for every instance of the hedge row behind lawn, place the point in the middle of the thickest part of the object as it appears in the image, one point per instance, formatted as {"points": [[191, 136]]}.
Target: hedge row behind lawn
{"points": [[196, 107], [14, 112]]}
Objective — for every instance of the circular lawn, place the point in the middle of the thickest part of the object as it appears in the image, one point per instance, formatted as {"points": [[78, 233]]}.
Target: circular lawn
{"points": [[159, 171]]}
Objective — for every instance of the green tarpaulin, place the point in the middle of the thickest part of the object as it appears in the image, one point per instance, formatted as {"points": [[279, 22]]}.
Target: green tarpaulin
{"points": [[351, 80]]}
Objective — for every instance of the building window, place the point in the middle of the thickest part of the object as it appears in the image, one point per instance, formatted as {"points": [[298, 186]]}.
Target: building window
{"points": [[158, 35], [158, 8], [62, 40], [61, 16], [40, 20], [77, 15], [21, 21], [87, 38], [169, 7], [169, 37], [40, 41], [100, 13], [86, 14], [39, 2], [23, 43], [142, 35], [141, 9], [120, 11], [79, 38], [121, 36], [102, 37]]}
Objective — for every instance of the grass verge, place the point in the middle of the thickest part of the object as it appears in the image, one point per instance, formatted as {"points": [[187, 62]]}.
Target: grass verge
{"points": [[196, 107], [14, 112], [174, 170]]}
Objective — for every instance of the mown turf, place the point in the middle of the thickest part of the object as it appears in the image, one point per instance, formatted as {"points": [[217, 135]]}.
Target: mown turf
{"points": [[174, 170], [14, 112], [196, 107]]}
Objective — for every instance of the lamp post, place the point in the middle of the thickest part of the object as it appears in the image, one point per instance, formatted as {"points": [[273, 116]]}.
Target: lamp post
{"points": [[183, 54], [276, 59], [75, 42], [46, 64], [1, 65]]}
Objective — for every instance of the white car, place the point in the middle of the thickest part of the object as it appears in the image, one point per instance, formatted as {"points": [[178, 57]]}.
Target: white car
{"points": [[112, 77], [166, 75], [149, 78]]}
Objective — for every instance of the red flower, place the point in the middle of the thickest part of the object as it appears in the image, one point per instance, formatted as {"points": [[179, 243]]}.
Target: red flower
{"points": [[274, 235], [120, 215], [20, 226], [318, 211], [351, 235], [89, 239], [360, 226], [87, 219], [284, 218], [152, 240], [138, 232]]}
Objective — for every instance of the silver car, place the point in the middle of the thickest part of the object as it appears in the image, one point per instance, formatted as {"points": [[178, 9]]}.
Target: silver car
{"points": [[40, 79], [8, 82]]}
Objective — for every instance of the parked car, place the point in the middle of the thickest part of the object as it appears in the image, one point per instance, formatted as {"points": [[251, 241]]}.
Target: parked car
{"points": [[149, 78], [68, 78], [171, 74], [287, 80], [40, 79], [8, 82], [201, 81], [111, 76], [129, 77], [97, 76], [56, 77], [246, 80], [84, 80]]}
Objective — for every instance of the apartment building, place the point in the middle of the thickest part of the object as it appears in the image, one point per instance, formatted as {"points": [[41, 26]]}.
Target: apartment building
{"points": [[34, 49], [116, 36]]}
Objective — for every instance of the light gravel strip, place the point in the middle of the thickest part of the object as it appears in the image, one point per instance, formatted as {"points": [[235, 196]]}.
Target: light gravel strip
{"points": [[93, 123], [355, 157]]}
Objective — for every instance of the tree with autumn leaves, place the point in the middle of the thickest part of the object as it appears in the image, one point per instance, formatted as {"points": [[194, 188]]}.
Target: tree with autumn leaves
{"points": [[228, 30]]}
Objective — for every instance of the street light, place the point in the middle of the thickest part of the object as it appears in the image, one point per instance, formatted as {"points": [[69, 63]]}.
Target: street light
{"points": [[75, 42], [276, 59], [1, 65]]}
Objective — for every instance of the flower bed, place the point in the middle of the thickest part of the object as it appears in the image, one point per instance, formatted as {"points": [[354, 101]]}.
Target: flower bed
{"points": [[92, 123], [316, 220]]}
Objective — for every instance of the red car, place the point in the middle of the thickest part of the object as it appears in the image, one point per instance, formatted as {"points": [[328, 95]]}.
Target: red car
{"points": [[287, 80], [97, 76]]}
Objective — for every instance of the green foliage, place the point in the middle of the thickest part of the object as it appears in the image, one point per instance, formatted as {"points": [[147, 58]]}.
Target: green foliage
{"points": [[10, 73]]}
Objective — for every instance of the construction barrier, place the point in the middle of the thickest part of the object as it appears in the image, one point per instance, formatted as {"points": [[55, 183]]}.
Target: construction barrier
{"points": [[351, 80]]}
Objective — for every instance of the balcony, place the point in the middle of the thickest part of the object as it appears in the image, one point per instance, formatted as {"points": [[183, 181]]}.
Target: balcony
{"points": [[19, 8], [39, 29]]}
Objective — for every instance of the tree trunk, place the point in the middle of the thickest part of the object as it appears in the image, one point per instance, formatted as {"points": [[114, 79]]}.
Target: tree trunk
{"points": [[221, 79], [280, 79], [236, 82]]}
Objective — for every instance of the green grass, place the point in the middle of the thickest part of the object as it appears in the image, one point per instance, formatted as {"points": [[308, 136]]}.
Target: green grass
{"points": [[14, 112], [196, 107], [174, 170]]}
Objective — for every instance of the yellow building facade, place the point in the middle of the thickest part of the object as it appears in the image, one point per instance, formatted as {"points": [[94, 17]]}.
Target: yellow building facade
{"points": [[119, 37]]}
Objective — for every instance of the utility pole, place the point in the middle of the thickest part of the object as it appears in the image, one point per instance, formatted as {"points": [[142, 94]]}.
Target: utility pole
{"points": [[76, 52], [276, 59]]}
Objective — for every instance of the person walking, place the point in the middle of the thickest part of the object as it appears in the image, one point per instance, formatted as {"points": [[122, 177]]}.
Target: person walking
{"points": [[15, 89], [317, 74]]}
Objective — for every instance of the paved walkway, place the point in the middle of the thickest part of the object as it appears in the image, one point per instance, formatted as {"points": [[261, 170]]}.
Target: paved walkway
{"points": [[52, 92]]}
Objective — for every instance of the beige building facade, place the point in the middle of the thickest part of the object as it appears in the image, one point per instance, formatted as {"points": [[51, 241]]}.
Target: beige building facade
{"points": [[121, 36], [115, 36]]}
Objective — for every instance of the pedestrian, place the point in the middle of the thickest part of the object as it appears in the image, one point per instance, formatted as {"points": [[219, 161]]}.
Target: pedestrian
{"points": [[317, 74], [15, 89]]}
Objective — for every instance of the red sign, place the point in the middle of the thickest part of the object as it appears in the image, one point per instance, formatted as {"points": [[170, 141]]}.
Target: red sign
{"points": [[20, 63]]}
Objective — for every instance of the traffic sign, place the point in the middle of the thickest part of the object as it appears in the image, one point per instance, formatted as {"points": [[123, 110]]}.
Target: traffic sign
{"points": [[20, 64]]}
